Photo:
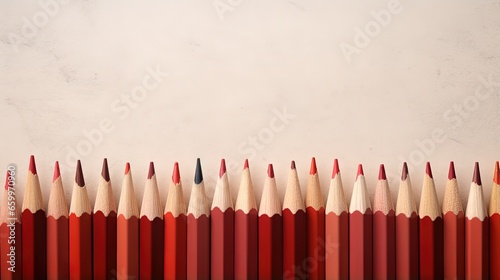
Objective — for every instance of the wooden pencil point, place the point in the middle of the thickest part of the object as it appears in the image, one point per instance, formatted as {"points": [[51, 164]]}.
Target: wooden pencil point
{"points": [[476, 177], [270, 171], [451, 171], [151, 171], [222, 170], [404, 173], [105, 170], [198, 176], [336, 169], [80, 181], [313, 170], [245, 166], [360, 171], [32, 167], [428, 169], [292, 165], [176, 177], [381, 173], [127, 168], [57, 172]]}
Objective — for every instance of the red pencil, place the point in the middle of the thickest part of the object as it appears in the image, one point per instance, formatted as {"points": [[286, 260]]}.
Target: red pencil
{"points": [[294, 229], [245, 230], [315, 209], [384, 231], [494, 212], [10, 225], [360, 230], [222, 229], [127, 225], [476, 231], [175, 230], [431, 230], [453, 229], [80, 230], [57, 230], [270, 231], [104, 228], [198, 230], [151, 230], [34, 228], [406, 230]]}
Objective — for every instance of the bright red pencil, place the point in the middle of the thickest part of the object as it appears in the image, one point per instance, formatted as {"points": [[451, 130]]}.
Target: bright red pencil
{"points": [[127, 225], [453, 229], [360, 230], [34, 228], [80, 230], [476, 231], [175, 266], [384, 230], [222, 229], [10, 225], [294, 229], [57, 230], [198, 230], [406, 230], [104, 228], [315, 210], [494, 212], [246, 264], [431, 230], [270, 230], [151, 230]]}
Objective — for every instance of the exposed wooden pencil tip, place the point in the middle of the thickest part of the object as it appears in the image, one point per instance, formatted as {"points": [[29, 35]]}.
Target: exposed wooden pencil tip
{"points": [[314, 169], [32, 167], [336, 169], [360, 171], [79, 175], [176, 177], [245, 166], [270, 171], [292, 165], [381, 173], [198, 175], [496, 176], [105, 170], [222, 168], [57, 172], [476, 177], [428, 169], [451, 171], [404, 173], [151, 171], [127, 168], [7, 180]]}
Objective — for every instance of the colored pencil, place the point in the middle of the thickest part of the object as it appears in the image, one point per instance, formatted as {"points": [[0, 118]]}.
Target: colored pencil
{"points": [[337, 228], [476, 231], [406, 230], [104, 228], [57, 230], [494, 213], [270, 230], [245, 230], [34, 227], [315, 210], [384, 230], [175, 266], [360, 230], [222, 228], [127, 224], [453, 229], [80, 230], [198, 230], [10, 225], [151, 230], [294, 229], [430, 230]]}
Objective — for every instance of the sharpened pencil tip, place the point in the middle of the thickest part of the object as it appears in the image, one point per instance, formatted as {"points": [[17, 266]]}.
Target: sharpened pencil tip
{"points": [[127, 168], [313, 169], [404, 173], [222, 168], [57, 172], [360, 171], [245, 166], [32, 167], [292, 165], [336, 169], [428, 169], [105, 170], [476, 177], [198, 174], [381, 173], [79, 175], [176, 177], [270, 171], [496, 176], [451, 171], [151, 171]]}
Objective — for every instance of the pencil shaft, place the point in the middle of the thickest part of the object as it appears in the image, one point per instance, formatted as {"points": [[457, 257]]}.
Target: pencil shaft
{"points": [[337, 258], [222, 237], [476, 248], [5, 249], [495, 246], [246, 265], [127, 248], [431, 248], [104, 241], [454, 245], [315, 242], [80, 246], [407, 247], [360, 245], [57, 248], [384, 251], [294, 247], [34, 240], [175, 247], [270, 247], [151, 248], [198, 247]]}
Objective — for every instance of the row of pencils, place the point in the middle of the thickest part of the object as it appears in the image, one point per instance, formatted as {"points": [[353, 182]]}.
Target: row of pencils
{"points": [[299, 239]]}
